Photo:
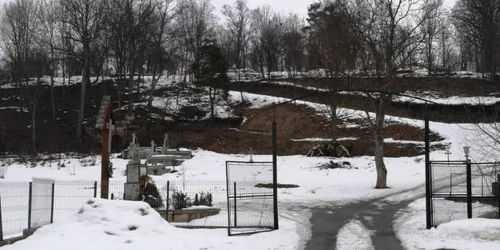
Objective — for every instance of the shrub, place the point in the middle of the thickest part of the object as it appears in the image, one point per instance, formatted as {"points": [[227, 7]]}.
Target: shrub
{"points": [[205, 199], [180, 200]]}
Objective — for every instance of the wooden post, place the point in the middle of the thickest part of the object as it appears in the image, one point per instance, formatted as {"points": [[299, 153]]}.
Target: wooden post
{"points": [[105, 124], [105, 163]]}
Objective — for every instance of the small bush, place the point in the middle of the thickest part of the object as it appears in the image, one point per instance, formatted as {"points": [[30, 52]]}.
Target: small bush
{"points": [[180, 200], [205, 199]]}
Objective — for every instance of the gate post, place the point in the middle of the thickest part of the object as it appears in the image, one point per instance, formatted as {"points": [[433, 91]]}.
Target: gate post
{"points": [[428, 178], [168, 204], [235, 210], [469, 189], [52, 203], [498, 192], [1, 222], [275, 179], [30, 203]]}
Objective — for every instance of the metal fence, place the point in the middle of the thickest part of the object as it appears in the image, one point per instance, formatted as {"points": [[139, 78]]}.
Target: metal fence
{"points": [[461, 190], [64, 198], [14, 199], [250, 197]]}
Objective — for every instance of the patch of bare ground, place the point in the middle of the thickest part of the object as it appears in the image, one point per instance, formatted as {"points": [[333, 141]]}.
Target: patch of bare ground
{"points": [[296, 122]]}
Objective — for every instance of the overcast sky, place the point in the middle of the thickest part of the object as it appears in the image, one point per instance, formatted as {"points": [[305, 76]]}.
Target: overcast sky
{"points": [[284, 6]]}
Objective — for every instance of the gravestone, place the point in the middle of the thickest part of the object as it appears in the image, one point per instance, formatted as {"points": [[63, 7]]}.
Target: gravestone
{"points": [[3, 172], [132, 186], [165, 144]]}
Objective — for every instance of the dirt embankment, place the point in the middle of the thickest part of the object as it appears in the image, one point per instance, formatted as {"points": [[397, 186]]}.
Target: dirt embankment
{"points": [[225, 136]]}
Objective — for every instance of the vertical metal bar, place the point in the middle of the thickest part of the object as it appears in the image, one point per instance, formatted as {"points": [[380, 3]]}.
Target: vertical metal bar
{"points": [[498, 192], [235, 219], [30, 200], [1, 221], [469, 189], [482, 185], [95, 189], [168, 198], [275, 179], [52, 203], [451, 183], [228, 201], [428, 172]]}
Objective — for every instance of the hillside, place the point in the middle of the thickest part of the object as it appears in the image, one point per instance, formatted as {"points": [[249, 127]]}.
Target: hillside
{"points": [[182, 110]]}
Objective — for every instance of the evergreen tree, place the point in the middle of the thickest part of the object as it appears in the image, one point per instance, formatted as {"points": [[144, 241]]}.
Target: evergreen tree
{"points": [[209, 68]]}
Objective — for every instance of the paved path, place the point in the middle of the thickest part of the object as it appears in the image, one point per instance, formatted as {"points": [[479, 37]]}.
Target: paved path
{"points": [[376, 215]]}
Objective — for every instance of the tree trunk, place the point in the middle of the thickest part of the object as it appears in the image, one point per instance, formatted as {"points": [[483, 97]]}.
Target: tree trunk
{"points": [[211, 93], [379, 143], [52, 97], [85, 81], [152, 90], [33, 124], [130, 88]]}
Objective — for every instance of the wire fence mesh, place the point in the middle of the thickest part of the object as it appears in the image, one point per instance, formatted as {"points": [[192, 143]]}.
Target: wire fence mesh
{"points": [[250, 197], [15, 203], [70, 195], [41, 203], [453, 199]]}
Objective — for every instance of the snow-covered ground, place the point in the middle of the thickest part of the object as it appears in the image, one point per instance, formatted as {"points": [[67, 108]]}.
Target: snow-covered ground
{"points": [[101, 224], [409, 96]]}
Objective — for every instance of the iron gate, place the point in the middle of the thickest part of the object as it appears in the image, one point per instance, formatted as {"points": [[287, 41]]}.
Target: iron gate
{"points": [[461, 190], [250, 197]]}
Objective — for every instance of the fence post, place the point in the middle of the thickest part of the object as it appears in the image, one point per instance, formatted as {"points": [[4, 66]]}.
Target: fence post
{"points": [[95, 189], [235, 220], [30, 200], [275, 178], [168, 197], [428, 172], [1, 221], [498, 192], [469, 189], [52, 203]]}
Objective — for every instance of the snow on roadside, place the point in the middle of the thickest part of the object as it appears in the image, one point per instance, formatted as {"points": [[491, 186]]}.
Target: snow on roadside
{"points": [[121, 225], [478, 233], [354, 235]]}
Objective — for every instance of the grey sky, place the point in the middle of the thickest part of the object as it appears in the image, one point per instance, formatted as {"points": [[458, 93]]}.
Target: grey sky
{"points": [[285, 6]]}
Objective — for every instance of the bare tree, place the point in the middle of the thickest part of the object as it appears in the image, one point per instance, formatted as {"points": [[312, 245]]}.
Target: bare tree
{"points": [[430, 30], [196, 22], [134, 19], [478, 22], [238, 24], [333, 35], [85, 20], [387, 29], [49, 38], [268, 30], [163, 42], [18, 32], [445, 44], [293, 44]]}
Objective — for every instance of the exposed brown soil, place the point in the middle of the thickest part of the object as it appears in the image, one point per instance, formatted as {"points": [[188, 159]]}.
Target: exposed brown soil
{"points": [[225, 136], [443, 87], [295, 122]]}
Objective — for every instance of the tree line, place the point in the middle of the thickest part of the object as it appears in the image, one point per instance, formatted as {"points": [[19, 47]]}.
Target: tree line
{"points": [[375, 38]]}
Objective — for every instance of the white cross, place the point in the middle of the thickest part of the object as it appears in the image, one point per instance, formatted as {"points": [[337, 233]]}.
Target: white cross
{"points": [[111, 128], [448, 153]]}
